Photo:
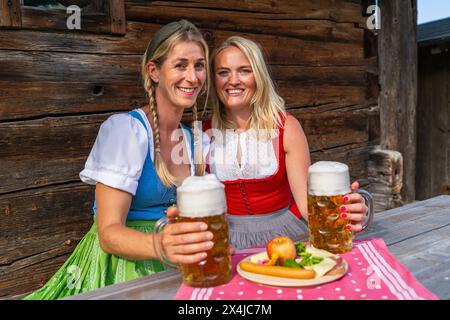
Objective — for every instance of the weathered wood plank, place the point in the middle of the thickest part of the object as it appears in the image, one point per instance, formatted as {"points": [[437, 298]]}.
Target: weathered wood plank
{"points": [[51, 66], [48, 66], [428, 259], [400, 224], [134, 42], [355, 156], [45, 151], [10, 13], [289, 51], [36, 99], [23, 281], [337, 128], [340, 10], [418, 235], [398, 76], [138, 34], [71, 136], [342, 75], [47, 225], [439, 202], [161, 286], [310, 94], [51, 98], [35, 213], [30, 99], [285, 24], [295, 50], [126, 68], [58, 84], [37, 172], [41, 18]]}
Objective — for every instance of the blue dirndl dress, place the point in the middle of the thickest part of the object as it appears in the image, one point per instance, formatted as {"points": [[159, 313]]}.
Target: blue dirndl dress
{"points": [[89, 267]]}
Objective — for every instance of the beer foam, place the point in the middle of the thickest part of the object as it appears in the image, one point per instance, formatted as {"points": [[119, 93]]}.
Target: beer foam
{"points": [[201, 196], [328, 178]]}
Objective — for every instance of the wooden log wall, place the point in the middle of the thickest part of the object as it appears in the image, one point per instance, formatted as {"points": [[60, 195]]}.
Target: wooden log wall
{"points": [[56, 88]]}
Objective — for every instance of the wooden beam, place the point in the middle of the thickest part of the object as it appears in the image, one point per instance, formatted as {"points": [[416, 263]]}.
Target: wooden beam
{"points": [[10, 13], [117, 16], [333, 10], [114, 82], [286, 24], [38, 18], [398, 79], [385, 171]]}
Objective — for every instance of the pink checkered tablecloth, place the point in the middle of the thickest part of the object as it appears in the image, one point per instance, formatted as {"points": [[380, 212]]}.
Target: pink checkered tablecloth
{"points": [[374, 274]]}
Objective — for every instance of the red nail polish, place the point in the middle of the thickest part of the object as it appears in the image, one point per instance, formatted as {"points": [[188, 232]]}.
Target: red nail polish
{"points": [[343, 215], [343, 209], [348, 227], [345, 199]]}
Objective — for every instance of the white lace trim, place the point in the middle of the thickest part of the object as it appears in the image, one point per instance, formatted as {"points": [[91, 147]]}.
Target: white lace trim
{"points": [[258, 156]]}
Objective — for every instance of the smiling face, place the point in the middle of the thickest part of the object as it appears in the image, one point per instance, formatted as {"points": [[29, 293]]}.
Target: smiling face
{"points": [[234, 79], [181, 76]]}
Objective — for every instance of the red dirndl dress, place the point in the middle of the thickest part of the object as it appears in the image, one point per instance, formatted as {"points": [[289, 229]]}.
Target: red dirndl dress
{"points": [[261, 209]]}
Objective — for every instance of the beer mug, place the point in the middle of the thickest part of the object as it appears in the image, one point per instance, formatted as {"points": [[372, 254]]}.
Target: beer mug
{"points": [[202, 198], [328, 183]]}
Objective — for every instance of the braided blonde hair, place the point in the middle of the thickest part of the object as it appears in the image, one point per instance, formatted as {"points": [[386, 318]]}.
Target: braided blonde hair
{"points": [[158, 58]]}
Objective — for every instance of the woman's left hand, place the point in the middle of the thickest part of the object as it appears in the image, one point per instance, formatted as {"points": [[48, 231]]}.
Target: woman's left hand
{"points": [[354, 209]]}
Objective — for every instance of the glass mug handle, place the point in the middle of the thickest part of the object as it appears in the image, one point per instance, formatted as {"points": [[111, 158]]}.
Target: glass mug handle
{"points": [[369, 215], [157, 244]]}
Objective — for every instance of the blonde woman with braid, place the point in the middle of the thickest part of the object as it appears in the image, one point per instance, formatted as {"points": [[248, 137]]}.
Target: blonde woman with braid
{"points": [[135, 174]]}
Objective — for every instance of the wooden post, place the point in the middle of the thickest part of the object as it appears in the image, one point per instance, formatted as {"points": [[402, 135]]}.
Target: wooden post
{"points": [[398, 79], [10, 13]]}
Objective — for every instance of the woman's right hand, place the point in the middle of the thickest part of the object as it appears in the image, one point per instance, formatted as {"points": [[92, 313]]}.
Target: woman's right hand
{"points": [[185, 242]]}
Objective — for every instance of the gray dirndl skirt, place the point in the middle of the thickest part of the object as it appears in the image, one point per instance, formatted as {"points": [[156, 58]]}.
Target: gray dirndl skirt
{"points": [[256, 230]]}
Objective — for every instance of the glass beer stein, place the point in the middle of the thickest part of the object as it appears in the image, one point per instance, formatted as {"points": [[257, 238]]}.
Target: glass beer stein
{"points": [[202, 198], [328, 183]]}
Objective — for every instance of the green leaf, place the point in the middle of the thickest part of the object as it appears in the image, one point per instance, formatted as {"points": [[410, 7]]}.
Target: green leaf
{"points": [[306, 261], [300, 247], [291, 264], [316, 260], [305, 254]]}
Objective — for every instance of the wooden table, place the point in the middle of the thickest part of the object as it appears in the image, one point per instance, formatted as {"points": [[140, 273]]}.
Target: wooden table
{"points": [[417, 234]]}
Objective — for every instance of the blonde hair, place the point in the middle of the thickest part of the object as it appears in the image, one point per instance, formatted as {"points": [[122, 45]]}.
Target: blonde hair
{"points": [[266, 103], [159, 56]]}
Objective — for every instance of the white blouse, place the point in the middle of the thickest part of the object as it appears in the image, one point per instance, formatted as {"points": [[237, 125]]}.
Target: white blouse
{"points": [[258, 156], [118, 155]]}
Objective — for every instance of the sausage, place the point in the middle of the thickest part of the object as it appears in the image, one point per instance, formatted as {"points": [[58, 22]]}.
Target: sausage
{"points": [[277, 271]]}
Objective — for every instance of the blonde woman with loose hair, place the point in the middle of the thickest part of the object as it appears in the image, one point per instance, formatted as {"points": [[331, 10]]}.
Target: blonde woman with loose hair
{"points": [[270, 106], [259, 151], [136, 164]]}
